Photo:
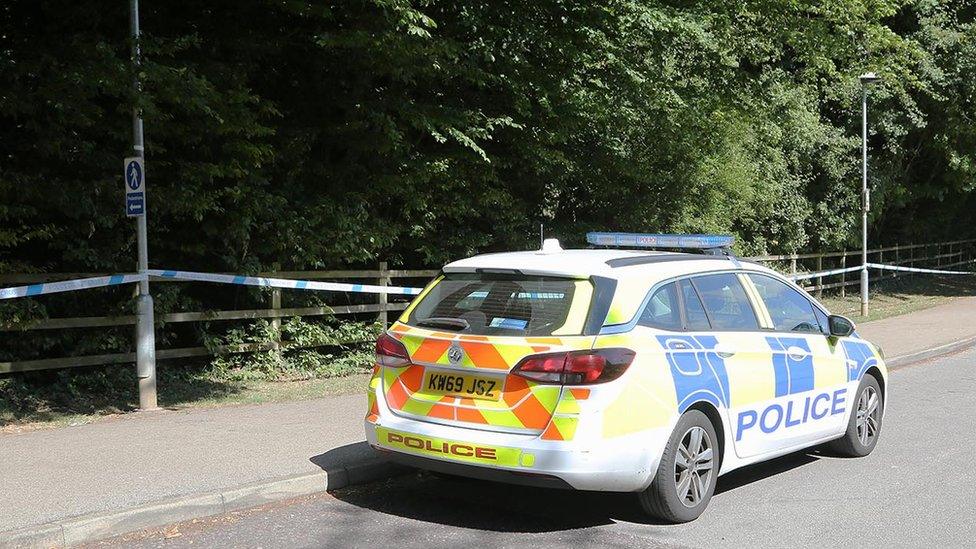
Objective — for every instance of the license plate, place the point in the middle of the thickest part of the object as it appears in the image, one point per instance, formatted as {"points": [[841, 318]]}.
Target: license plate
{"points": [[462, 385]]}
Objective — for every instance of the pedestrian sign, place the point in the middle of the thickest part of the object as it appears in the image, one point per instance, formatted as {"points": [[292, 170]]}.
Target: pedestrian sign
{"points": [[134, 174]]}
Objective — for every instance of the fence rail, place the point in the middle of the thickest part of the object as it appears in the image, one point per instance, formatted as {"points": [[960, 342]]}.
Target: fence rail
{"points": [[274, 312], [942, 255]]}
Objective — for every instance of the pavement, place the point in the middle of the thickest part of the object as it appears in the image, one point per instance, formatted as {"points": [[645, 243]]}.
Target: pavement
{"points": [[917, 335], [914, 490], [76, 484]]}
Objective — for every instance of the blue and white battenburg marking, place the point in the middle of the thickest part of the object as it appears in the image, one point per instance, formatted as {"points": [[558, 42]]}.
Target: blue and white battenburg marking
{"points": [[69, 285], [284, 283], [641, 240]]}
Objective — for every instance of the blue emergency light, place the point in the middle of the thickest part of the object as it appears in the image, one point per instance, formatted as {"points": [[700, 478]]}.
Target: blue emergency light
{"points": [[640, 240]]}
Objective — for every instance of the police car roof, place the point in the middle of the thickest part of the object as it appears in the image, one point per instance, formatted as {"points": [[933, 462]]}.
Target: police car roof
{"points": [[610, 263]]}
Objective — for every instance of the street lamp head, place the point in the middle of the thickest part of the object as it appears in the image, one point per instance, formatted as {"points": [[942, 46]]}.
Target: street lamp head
{"points": [[869, 78]]}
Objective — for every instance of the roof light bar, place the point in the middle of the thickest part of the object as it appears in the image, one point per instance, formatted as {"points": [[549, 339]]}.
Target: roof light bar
{"points": [[640, 240]]}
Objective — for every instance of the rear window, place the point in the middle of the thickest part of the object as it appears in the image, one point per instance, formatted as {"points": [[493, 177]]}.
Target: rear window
{"points": [[504, 305]]}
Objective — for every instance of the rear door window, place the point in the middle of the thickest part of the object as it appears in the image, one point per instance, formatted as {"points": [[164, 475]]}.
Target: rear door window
{"points": [[504, 305], [725, 302], [662, 310]]}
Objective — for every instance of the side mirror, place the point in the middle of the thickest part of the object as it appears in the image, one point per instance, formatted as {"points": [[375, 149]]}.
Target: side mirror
{"points": [[840, 326]]}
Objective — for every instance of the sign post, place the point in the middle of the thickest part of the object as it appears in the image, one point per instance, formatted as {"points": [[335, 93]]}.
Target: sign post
{"points": [[135, 186], [134, 175]]}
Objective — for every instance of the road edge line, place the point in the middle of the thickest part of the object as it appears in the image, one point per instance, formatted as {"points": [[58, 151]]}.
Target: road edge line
{"points": [[903, 361], [101, 525]]}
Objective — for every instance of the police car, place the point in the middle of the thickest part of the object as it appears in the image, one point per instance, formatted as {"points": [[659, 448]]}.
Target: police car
{"points": [[629, 370]]}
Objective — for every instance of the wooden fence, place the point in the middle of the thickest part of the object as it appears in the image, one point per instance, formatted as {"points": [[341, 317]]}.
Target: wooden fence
{"points": [[274, 312], [939, 255], [933, 255]]}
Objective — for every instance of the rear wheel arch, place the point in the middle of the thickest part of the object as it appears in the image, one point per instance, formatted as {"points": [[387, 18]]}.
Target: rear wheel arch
{"points": [[715, 417]]}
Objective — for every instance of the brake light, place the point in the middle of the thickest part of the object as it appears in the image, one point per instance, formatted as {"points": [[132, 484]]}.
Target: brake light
{"points": [[390, 352], [575, 367]]}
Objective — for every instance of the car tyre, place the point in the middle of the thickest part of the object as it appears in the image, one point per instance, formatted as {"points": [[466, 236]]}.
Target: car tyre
{"points": [[688, 471], [864, 426]]}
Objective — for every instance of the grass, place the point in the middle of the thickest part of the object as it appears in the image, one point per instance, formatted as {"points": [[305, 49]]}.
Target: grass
{"points": [[38, 400]]}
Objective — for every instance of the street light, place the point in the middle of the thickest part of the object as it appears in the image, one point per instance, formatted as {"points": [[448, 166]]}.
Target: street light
{"points": [[867, 79]]}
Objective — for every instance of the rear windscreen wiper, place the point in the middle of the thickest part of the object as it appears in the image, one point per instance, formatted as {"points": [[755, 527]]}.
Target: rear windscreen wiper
{"points": [[444, 322]]}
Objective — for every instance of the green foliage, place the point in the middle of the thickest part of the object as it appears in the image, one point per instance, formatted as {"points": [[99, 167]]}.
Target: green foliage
{"points": [[318, 135], [294, 351]]}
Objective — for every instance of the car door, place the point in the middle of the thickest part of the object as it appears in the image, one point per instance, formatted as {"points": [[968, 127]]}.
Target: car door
{"points": [[809, 369], [705, 348], [726, 326]]}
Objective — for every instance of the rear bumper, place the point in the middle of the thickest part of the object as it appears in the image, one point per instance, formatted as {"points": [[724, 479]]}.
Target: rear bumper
{"points": [[475, 471], [622, 464]]}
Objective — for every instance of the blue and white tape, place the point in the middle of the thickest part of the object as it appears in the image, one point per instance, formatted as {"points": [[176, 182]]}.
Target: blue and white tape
{"points": [[284, 283], [807, 276], [69, 285], [916, 269]]}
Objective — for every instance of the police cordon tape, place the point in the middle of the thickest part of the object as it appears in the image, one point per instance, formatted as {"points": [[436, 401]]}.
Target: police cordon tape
{"points": [[114, 280], [70, 285], [917, 270], [96, 282], [818, 274], [807, 276], [284, 283]]}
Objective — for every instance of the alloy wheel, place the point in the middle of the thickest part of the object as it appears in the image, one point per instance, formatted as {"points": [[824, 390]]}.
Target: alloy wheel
{"points": [[868, 418], [693, 466]]}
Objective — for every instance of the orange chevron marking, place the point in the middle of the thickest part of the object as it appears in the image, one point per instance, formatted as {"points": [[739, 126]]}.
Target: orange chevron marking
{"points": [[532, 414], [580, 394], [413, 378], [484, 355], [552, 433], [396, 396], [470, 415], [441, 411], [431, 350], [515, 389]]}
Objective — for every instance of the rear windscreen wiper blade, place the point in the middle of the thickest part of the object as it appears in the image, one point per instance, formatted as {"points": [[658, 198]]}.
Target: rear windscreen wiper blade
{"points": [[444, 322]]}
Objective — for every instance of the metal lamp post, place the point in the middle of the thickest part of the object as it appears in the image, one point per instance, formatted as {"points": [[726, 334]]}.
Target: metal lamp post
{"points": [[145, 335], [867, 79]]}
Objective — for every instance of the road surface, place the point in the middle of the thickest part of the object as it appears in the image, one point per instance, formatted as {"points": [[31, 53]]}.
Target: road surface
{"points": [[917, 489]]}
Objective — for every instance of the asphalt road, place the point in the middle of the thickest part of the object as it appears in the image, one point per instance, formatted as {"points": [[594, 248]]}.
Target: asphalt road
{"points": [[917, 489]]}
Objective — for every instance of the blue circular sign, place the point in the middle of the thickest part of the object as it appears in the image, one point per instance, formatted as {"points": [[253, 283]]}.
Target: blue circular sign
{"points": [[133, 175]]}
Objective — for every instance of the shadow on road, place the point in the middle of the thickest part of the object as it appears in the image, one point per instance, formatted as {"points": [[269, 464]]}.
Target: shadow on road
{"points": [[491, 506], [764, 470]]}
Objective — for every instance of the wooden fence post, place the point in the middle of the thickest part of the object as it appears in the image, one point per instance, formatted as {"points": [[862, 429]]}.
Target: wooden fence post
{"points": [[819, 278], [843, 276], [793, 263], [276, 321], [384, 280], [895, 273], [911, 258]]}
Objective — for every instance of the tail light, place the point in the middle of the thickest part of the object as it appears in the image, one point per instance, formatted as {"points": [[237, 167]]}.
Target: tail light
{"points": [[390, 352], [575, 367]]}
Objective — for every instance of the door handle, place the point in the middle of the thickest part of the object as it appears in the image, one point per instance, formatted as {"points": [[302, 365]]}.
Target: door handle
{"points": [[797, 354], [724, 352]]}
